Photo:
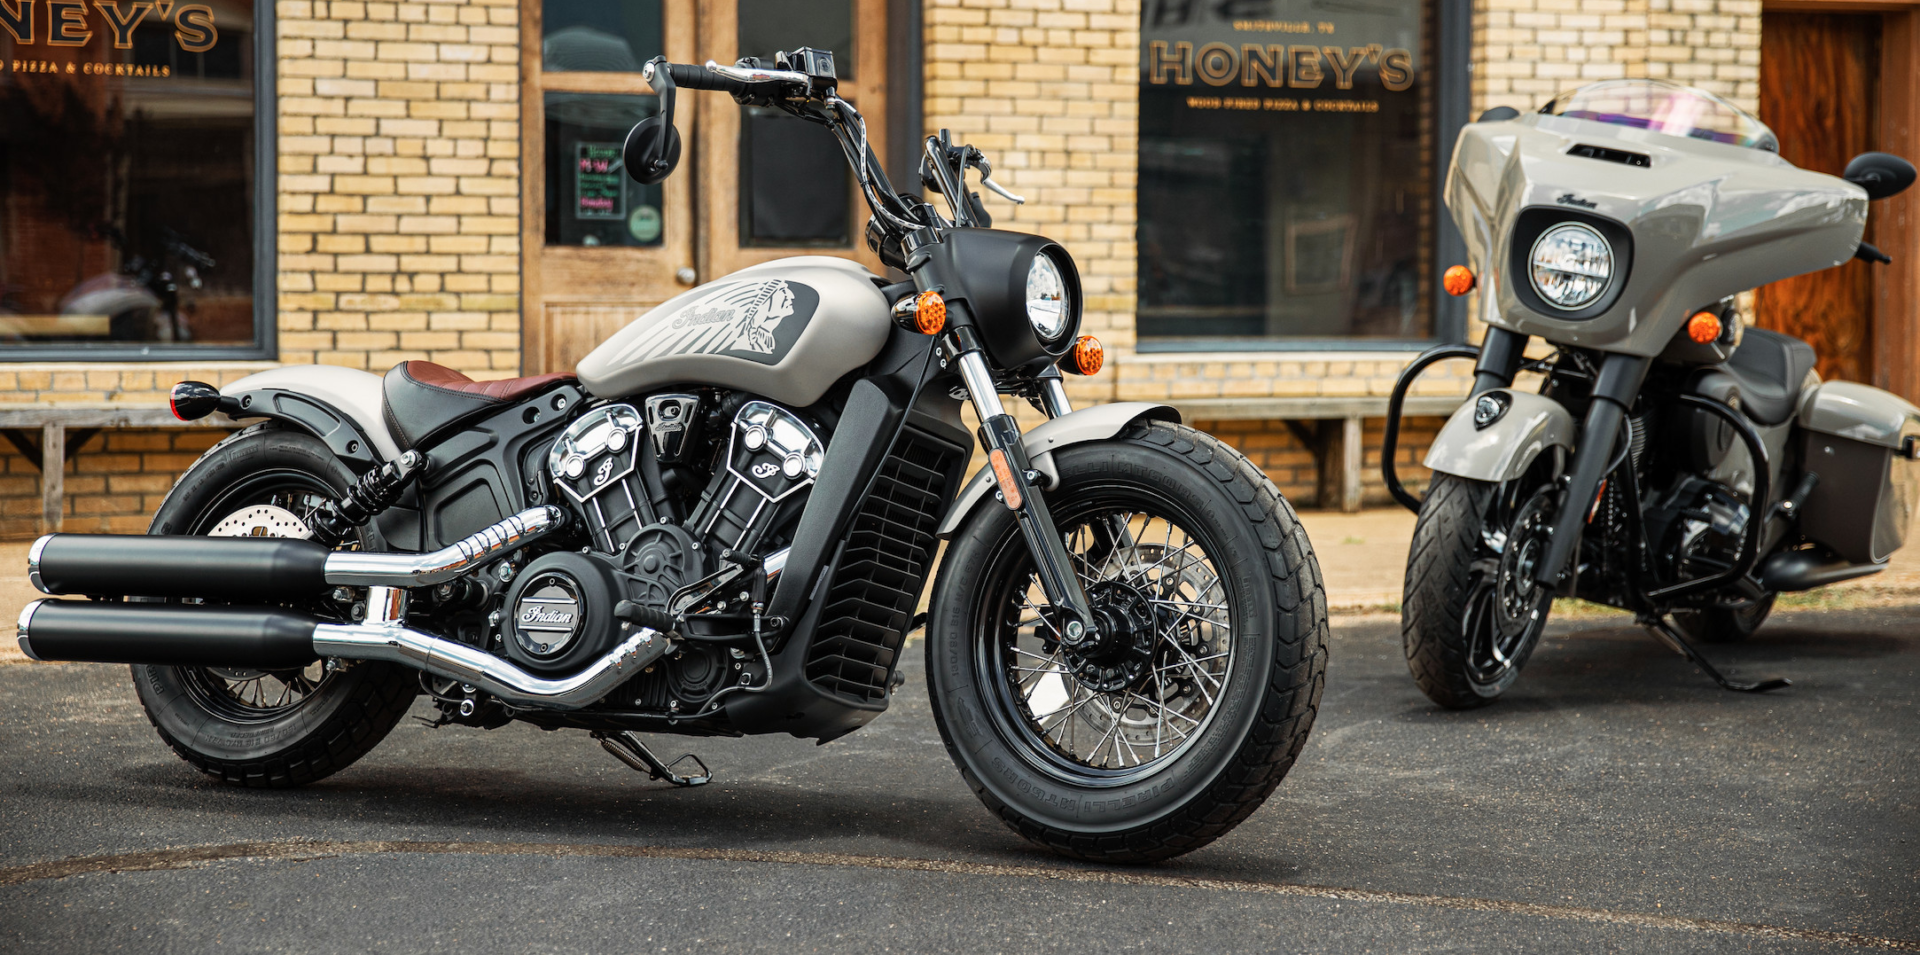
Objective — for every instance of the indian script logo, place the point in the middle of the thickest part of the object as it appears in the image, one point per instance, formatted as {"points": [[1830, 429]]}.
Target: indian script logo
{"points": [[743, 319]]}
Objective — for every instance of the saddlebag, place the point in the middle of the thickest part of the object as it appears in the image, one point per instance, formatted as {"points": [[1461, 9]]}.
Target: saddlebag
{"points": [[1863, 443]]}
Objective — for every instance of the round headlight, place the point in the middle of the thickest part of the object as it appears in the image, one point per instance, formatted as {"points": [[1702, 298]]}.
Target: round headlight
{"points": [[1047, 305], [1570, 266]]}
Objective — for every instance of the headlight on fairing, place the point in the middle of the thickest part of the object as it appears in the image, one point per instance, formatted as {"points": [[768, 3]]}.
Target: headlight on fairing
{"points": [[1570, 266], [1049, 307]]}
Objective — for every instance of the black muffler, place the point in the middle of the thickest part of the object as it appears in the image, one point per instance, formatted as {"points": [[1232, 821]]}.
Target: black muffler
{"points": [[167, 634], [266, 569]]}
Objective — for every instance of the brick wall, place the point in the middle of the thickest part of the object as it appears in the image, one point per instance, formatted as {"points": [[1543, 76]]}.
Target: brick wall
{"points": [[400, 183], [1049, 90], [114, 481], [1275, 449], [1527, 51]]}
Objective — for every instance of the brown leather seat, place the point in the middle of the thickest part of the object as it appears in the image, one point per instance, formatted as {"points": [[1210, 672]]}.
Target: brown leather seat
{"points": [[419, 398]]}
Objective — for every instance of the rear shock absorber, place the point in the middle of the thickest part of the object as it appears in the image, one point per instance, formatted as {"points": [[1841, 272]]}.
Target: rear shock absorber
{"points": [[376, 491]]}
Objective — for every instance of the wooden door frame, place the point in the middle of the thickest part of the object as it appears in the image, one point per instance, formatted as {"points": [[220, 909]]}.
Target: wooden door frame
{"points": [[1896, 221], [601, 275]]}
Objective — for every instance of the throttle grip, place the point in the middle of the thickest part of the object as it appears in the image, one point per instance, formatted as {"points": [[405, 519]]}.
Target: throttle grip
{"points": [[691, 77]]}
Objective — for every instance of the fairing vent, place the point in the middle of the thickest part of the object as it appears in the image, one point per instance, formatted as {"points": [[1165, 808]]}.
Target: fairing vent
{"points": [[1602, 153], [889, 552]]}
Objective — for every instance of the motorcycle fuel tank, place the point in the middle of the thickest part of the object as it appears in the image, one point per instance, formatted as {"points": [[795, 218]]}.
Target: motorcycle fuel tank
{"points": [[786, 330], [1706, 220]]}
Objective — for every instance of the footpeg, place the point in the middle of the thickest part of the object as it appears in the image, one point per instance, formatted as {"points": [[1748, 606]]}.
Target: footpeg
{"points": [[627, 748], [1666, 634]]}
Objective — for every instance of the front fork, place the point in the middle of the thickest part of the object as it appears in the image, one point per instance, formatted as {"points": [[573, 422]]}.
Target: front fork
{"points": [[1018, 484]]}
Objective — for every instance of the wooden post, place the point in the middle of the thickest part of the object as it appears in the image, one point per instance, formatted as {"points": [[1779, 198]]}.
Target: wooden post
{"points": [[1352, 443], [53, 475]]}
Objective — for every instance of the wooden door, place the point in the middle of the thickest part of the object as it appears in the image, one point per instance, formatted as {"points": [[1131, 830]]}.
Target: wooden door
{"points": [[599, 250], [1819, 85]]}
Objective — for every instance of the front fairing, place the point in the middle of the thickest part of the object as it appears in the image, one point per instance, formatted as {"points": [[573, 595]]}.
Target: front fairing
{"points": [[1707, 220]]}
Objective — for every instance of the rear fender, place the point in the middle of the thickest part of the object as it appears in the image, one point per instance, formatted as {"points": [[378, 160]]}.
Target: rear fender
{"points": [[340, 406], [1097, 423], [1503, 450]]}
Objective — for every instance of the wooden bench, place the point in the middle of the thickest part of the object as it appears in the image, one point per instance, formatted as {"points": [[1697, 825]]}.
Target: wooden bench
{"points": [[1330, 427], [57, 445]]}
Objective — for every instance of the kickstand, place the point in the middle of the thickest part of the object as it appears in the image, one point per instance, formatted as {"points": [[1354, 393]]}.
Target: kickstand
{"points": [[628, 749], [1665, 633]]}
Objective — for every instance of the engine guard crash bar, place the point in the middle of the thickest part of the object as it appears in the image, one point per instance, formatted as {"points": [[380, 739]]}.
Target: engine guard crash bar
{"points": [[1396, 401], [1756, 513]]}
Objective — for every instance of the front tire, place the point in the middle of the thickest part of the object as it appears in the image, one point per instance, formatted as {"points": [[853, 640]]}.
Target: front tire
{"points": [[1197, 703], [268, 729], [1470, 615]]}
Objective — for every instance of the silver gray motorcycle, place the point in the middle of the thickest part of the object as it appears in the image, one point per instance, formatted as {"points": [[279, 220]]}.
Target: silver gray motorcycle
{"points": [[723, 524], [1672, 462]]}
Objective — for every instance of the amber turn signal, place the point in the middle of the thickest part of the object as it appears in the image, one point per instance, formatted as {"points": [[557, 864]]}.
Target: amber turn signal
{"points": [[1457, 280], [1086, 357], [929, 313], [1703, 327]]}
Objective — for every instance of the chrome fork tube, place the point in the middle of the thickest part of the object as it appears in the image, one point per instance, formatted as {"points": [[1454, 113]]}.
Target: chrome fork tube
{"points": [[1007, 457]]}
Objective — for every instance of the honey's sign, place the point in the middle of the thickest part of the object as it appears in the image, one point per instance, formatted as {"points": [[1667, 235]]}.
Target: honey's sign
{"points": [[1246, 47], [72, 23]]}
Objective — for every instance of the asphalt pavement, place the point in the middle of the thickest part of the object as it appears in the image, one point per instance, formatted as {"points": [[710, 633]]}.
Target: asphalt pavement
{"points": [[1614, 801]]}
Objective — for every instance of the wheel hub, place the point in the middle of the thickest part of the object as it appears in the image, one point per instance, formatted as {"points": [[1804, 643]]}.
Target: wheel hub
{"points": [[1122, 649]]}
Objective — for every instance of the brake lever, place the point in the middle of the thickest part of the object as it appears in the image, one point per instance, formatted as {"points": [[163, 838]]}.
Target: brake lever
{"points": [[1010, 197]]}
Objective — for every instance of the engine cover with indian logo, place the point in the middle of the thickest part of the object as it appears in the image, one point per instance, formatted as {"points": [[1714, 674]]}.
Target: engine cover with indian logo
{"points": [[559, 613]]}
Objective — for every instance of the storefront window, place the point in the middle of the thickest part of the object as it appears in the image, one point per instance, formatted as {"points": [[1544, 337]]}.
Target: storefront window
{"points": [[1285, 172], [129, 181]]}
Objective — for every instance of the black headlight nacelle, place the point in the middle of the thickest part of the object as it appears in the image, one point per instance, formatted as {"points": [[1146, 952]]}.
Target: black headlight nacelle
{"points": [[989, 273]]}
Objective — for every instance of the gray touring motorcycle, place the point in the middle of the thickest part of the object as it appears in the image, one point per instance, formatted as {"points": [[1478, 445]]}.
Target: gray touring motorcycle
{"points": [[1672, 463], [722, 525]]}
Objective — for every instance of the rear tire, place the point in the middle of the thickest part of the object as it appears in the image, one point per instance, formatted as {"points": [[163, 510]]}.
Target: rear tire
{"points": [[1208, 701], [1723, 625], [280, 729]]}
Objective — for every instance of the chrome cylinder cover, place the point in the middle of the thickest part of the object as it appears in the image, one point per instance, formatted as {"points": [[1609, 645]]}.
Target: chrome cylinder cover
{"points": [[595, 463], [771, 456]]}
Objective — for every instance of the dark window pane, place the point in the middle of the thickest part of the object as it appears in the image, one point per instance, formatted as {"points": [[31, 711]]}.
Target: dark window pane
{"points": [[127, 185], [590, 199], [599, 36], [770, 26], [1285, 171], [794, 182]]}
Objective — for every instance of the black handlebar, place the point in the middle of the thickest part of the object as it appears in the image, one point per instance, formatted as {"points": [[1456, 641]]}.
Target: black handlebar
{"points": [[688, 76]]}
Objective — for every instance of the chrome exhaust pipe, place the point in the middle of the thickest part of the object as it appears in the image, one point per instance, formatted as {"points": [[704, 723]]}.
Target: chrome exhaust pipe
{"points": [[259, 638], [265, 569], [354, 568], [486, 672]]}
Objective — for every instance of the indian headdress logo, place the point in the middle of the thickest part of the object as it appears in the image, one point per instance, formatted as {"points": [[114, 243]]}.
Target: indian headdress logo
{"points": [[744, 319]]}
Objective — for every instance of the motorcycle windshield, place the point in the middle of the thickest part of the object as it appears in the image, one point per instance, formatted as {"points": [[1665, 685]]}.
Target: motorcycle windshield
{"points": [[1665, 108]]}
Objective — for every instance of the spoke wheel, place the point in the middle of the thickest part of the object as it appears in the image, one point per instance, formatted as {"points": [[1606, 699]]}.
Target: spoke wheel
{"points": [[1196, 694], [1148, 688], [269, 728], [278, 502]]}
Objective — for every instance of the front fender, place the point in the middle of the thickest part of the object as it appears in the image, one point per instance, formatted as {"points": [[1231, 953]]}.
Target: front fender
{"points": [[1504, 449], [1097, 423]]}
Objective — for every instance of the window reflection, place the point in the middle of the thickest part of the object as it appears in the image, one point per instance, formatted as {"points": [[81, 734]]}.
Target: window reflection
{"points": [[795, 188], [599, 36], [127, 181]]}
